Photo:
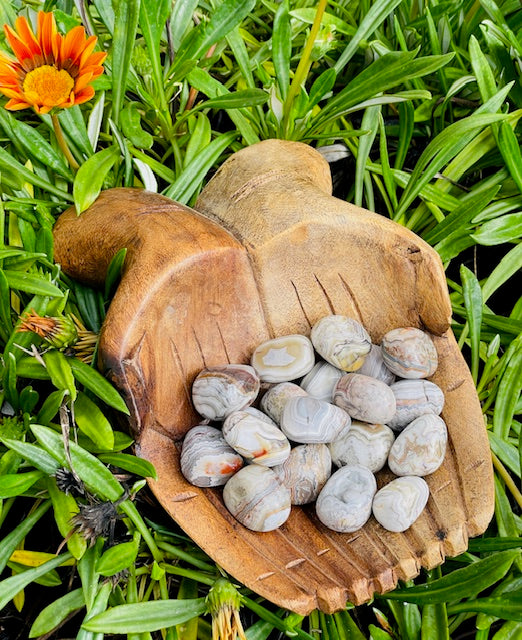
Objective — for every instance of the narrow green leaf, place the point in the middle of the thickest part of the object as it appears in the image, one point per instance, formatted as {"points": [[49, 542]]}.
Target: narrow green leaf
{"points": [[95, 382], [370, 122], [483, 72], [13, 538], [98, 479], [59, 369], [322, 85], [51, 406], [50, 617], [479, 545], [180, 20], [510, 148], [462, 583], [132, 129], [33, 454], [92, 422], [507, 267], [507, 452], [146, 616], [508, 606], [472, 294], [15, 484], [29, 367], [117, 558], [131, 463], [282, 47], [508, 393], [152, 18], [65, 508], [75, 129], [99, 606], [125, 27], [95, 120], [11, 586], [236, 100], [89, 179], [37, 285]]}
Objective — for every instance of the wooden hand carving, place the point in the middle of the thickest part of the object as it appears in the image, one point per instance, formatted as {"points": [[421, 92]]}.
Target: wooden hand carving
{"points": [[274, 252]]}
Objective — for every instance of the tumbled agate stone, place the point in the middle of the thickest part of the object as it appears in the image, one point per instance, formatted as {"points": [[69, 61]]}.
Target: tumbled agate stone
{"points": [[409, 353], [217, 391], [308, 420], [274, 400], [321, 380], [206, 459], [305, 472], [256, 497], [414, 398], [255, 439], [374, 366], [399, 503], [345, 502], [364, 398], [341, 341], [283, 359], [420, 448], [364, 444]]}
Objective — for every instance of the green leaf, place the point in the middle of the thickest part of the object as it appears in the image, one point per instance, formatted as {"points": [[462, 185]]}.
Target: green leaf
{"points": [[152, 17], [508, 266], [322, 85], [96, 120], [51, 406], [59, 369], [98, 479], [508, 393], [500, 230], [510, 148], [118, 558], [37, 285], [125, 27], [369, 123], [95, 382], [50, 617], [236, 100], [282, 47], [89, 179], [11, 586], [131, 463], [74, 126], [15, 484], [99, 605], [146, 616], [65, 508], [190, 178], [92, 422], [132, 129], [13, 538], [483, 72], [180, 20], [373, 17], [508, 606], [478, 545], [462, 583], [472, 294], [29, 367], [33, 454]]}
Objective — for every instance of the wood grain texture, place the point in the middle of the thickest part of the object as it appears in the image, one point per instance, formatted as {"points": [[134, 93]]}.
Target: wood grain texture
{"points": [[273, 253]]}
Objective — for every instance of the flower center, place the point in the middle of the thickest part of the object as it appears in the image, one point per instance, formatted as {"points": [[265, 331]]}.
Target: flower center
{"points": [[48, 85]]}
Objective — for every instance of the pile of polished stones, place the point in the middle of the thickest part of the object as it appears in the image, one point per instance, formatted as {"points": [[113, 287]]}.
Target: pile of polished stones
{"points": [[359, 407]]}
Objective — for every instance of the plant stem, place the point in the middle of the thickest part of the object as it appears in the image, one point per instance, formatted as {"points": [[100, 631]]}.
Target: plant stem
{"points": [[303, 67], [508, 480], [130, 510], [62, 142]]}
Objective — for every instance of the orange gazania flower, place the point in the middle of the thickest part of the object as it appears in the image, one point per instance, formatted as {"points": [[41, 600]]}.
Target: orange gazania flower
{"points": [[50, 70]]}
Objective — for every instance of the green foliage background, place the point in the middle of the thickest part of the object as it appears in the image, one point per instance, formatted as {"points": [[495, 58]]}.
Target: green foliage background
{"points": [[424, 99]]}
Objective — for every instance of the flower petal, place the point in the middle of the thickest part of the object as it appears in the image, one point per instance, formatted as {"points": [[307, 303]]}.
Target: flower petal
{"points": [[72, 45], [15, 105], [88, 49], [82, 81], [21, 50], [27, 36], [11, 92], [84, 95], [46, 34]]}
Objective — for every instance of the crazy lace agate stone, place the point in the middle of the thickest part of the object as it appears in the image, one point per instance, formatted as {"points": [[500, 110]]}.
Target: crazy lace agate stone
{"points": [[255, 439], [256, 497], [275, 399], [259, 414], [399, 503], [321, 380], [283, 359], [364, 444], [409, 353], [206, 460], [365, 398], [309, 420], [305, 472], [217, 391], [414, 398], [419, 450], [341, 341], [345, 502], [374, 366]]}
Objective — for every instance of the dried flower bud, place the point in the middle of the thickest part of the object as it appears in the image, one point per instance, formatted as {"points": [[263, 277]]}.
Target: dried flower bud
{"points": [[60, 332], [96, 520], [69, 483], [223, 603]]}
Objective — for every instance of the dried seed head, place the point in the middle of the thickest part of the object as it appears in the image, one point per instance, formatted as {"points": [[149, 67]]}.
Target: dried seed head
{"points": [[96, 520], [223, 603], [59, 331], [69, 483]]}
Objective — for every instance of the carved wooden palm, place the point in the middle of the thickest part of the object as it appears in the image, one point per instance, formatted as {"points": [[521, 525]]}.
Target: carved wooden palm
{"points": [[274, 252]]}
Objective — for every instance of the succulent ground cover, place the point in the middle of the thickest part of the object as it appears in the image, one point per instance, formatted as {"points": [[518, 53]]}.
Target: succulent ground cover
{"points": [[422, 103]]}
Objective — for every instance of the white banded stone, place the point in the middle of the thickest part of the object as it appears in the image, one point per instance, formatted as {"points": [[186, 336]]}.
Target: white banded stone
{"points": [[364, 398], [374, 366], [341, 341], [414, 398], [321, 380], [283, 359], [420, 448], [399, 503], [308, 420], [274, 400], [305, 472], [255, 439], [364, 444], [409, 353]]}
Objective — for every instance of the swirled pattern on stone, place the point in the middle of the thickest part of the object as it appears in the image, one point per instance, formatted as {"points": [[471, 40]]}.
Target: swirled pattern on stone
{"points": [[399, 503], [305, 472], [274, 400], [283, 359], [255, 439], [409, 353], [321, 380], [345, 502], [364, 444], [364, 398], [308, 420], [414, 398], [374, 366], [341, 341], [256, 497], [419, 450], [206, 460], [217, 391]]}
